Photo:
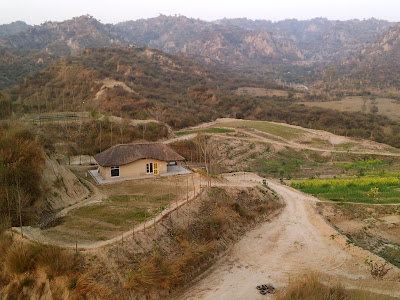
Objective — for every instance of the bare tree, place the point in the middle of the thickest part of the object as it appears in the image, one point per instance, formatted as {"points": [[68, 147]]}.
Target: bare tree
{"points": [[144, 128], [158, 113], [22, 200]]}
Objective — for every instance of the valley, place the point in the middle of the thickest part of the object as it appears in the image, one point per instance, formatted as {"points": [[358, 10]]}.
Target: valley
{"points": [[176, 158]]}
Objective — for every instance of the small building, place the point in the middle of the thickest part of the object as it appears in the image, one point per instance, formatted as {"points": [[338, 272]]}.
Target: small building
{"points": [[137, 160]]}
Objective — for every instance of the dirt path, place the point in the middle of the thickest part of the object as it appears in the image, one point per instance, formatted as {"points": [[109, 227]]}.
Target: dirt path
{"points": [[258, 136], [96, 196], [296, 242]]}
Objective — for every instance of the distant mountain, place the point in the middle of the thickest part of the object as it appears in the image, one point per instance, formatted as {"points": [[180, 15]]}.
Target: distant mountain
{"points": [[319, 39], [377, 66], [228, 44], [287, 50], [70, 37], [13, 28], [35, 48]]}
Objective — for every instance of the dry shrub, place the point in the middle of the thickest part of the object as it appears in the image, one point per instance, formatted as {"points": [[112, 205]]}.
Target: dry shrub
{"points": [[143, 278], [20, 258], [55, 261], [5, 243], [155, 273], [87, 287], [379, 270], [161, 273], [310, 288]]}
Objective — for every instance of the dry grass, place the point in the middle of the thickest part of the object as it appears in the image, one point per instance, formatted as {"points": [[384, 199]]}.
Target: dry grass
{"points": [[55, 261], [20, 258], [386, 107], [160, 272], [86, 286], [30, 271], [308, 287], [282, 131], [261, 92]]}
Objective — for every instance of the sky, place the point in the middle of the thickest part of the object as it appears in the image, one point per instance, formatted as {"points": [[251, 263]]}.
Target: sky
{"points": [[39, 11]]}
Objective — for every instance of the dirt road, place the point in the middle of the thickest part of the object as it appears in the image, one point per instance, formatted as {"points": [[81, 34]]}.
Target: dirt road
{"points": [[296, 242]]}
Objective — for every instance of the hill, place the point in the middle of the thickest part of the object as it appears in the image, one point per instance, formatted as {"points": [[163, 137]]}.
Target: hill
{"points": [[16, 64], [377, 65], [130, 81], [63, 38], [288, 49], [32, 49], [319, 39], [13, 28], [228, 44], [146, 83]]}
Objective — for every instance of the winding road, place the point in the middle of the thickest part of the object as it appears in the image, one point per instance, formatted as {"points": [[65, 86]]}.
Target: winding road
{"points": [[298, 241]]}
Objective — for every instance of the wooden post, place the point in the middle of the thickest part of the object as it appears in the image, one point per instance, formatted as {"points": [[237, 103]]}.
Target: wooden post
{"points": [[122, 238], [76, 243], [133, 231], [187, 188], [176, 199], [194, 187]]}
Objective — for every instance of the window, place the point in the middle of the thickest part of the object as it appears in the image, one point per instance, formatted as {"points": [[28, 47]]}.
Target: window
{"points": [[149, 168], [115, 171]]}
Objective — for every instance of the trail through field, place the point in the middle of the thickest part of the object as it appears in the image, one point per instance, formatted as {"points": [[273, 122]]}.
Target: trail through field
{"points": [[364, 147], [258, 136], [298, 241]]}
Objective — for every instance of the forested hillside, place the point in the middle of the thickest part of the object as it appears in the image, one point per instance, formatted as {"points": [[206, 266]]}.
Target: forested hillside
{"points": [[269, 48]]}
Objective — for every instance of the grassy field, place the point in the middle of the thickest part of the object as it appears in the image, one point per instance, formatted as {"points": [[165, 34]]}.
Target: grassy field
{"points": [[268, 127], [121, 211], [125, 205], [208, 130], [386, 107], [261, 92], [373, 190]]}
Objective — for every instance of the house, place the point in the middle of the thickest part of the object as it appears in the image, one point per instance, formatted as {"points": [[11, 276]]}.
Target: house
{"points": [[137, 160]]}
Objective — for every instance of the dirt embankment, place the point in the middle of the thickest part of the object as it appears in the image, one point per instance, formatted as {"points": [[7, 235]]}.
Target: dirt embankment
{"points": [[62, 187]]}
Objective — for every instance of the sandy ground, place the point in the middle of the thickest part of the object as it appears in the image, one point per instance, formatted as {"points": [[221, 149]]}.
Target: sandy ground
{"points": [[296, 242], [253, 135]]}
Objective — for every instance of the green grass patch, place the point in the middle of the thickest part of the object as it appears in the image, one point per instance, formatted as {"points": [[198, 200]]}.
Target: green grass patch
{"points": [[208, 130], [372, 163], [345, 146], [271, 128], [374, 190], [117, 212]]}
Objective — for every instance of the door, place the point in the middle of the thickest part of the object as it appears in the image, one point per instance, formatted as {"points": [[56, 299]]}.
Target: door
{"points": [[155, 168]]}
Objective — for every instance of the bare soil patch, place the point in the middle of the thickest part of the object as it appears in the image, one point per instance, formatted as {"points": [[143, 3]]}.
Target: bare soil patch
{"points": [[261, 92], [373, 227], [386, 107]]}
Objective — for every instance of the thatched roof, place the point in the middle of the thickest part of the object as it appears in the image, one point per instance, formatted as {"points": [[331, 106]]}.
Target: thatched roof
{"points": [[126, 153]]}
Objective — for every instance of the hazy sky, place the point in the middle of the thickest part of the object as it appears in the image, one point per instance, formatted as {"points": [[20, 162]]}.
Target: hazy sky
{"points": [[39, 11]]}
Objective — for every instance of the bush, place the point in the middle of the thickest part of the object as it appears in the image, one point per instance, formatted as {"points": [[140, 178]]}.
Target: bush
{"points": [[310, 288], [20, 258], [55, 261]]}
